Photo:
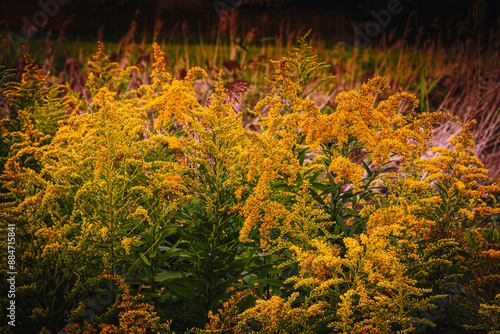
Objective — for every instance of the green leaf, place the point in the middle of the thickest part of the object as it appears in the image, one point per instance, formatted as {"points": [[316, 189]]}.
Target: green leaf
{"points": [[145, 260], [167, 275], [270, 281], [367, 168], [433, 84]]}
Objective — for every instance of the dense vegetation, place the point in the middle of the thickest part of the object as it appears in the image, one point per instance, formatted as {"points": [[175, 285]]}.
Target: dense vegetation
{"points": [[143, 204]]}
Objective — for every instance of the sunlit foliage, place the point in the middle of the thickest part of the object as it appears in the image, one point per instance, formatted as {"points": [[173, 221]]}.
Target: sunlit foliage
{"points": [[312, 223]]}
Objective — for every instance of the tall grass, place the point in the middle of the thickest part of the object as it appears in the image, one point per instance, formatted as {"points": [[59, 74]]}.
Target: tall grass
{"points": [[462, 77]]}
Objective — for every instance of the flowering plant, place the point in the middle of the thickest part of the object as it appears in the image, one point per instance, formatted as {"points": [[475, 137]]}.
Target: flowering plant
{"points": [[314, 222]]}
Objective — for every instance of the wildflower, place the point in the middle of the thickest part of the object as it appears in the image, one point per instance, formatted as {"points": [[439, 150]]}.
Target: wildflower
{"points": [[127, 243], [103, 232], [344, 169]]}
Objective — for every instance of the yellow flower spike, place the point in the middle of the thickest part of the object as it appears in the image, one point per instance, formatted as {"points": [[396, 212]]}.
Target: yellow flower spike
{"points": [[159, 74], [127, 244], [238, 193], [104, 232], [219, 87], [191, 75], [100, 51], [343, 168]]}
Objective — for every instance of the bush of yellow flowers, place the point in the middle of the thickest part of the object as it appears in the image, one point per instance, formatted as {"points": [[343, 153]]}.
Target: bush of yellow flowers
{"points": [[144, 210]]}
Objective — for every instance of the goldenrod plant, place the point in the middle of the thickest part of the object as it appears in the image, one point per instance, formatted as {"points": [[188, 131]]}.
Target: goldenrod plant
{"points": [[35, 107], [134, 315], [377, 252], [96, 192], [140, 208]]}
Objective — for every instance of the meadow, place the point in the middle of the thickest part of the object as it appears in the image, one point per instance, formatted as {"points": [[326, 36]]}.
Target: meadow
{"points": [[229, 184], [449, 71]]}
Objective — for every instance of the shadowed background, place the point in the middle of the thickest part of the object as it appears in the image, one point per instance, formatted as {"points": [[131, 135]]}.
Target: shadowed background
{"points": [[328, 19]]}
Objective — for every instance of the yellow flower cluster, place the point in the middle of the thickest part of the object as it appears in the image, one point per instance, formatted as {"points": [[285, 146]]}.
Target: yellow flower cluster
{"points": [[459, 173], [227, 318], [127, 243], [278, 316], [344, 169], [134, 316], [310, 188], [381, 130]]}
